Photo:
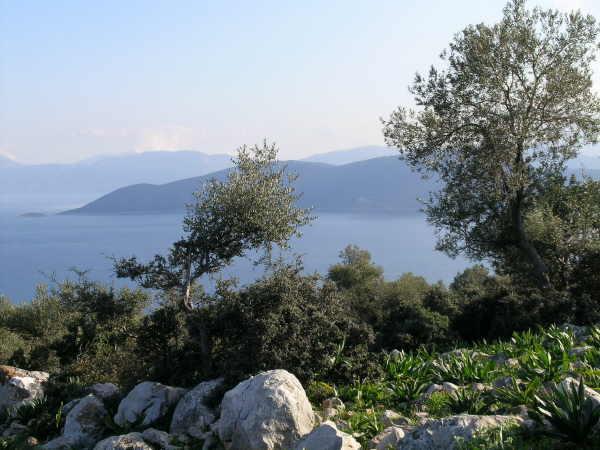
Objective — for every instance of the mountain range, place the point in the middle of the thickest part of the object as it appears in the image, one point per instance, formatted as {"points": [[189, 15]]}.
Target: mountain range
{"points": [[383, 185]]}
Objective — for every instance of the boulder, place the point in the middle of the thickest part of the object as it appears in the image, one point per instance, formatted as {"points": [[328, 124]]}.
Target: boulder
{"points": [[160, 439], [267, 412], [84, 424], [193, 414], [328, 437], [391, 418], [441, 434], [444, 387], [147, 403], [131, 441], [104, 391], [18, 386], [387, 439]]}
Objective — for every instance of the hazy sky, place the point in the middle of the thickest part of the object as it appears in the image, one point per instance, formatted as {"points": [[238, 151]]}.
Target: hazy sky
{"points": [[80, 78]]}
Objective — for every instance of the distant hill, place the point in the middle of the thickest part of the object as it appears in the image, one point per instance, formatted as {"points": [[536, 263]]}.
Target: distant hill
{"points": [[379, 185], [340, 157], [384, 185], [104, 174]]}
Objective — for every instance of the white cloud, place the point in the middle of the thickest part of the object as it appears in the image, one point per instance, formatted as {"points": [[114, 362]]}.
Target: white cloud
{"points": [[173, 137], [8, 155]]}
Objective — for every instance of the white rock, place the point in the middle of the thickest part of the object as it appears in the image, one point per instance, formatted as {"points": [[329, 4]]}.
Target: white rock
{"points": [[193, 415], [131, 441], [147, 403], [161, 439], [18, 386], [104, 391], [328, 437], [267, 412], [387, 439], [86, 421], [440, 434], [444, 387], [390, 418], [84, 424]]}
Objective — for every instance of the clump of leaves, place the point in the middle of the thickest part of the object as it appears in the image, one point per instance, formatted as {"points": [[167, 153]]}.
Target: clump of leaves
{"points": [[539, 363], [503, 437], [518, 393], [318, 391], [364, 425], [468, 401], [438, 404], [463, 368], [572, 415]]}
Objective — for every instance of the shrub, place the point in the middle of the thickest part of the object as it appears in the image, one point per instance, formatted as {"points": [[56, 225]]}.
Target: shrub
{"points": [[289, 321]]}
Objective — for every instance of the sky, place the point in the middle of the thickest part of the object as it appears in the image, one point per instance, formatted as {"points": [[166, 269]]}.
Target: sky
{"points": [[79, 79]]}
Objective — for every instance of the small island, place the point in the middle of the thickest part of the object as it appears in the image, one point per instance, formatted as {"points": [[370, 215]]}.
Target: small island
{"points": [[33, 215]]}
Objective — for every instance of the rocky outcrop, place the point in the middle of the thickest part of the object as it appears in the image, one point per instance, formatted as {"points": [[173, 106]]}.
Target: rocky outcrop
{"points": [[18, 386], [193, 413], [441, 434], [84, 425], [131, 441], [388, 438], [328, 437], [147, 403], [104, 391], [267, 412]]}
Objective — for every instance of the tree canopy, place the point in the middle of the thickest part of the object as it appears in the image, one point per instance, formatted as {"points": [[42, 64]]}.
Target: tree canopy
{"points": [[512, 102], [255, 207]]}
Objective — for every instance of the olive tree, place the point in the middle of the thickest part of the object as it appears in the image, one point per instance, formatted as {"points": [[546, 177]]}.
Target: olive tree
{"points": [[253, 208], [496, 123]]}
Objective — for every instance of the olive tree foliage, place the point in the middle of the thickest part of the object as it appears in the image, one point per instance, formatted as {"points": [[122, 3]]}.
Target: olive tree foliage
{"points": [[253, 208], [512, 102]]}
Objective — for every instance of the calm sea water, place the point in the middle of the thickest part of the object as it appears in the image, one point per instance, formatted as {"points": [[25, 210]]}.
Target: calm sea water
{"points": [[33, 250]]}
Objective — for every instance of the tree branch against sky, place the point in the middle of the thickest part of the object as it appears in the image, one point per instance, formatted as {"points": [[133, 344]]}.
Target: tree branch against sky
{"points": [[510, 104]]}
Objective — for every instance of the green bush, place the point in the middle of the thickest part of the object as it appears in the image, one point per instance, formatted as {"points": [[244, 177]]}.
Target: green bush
{"points": [[289, 321]]}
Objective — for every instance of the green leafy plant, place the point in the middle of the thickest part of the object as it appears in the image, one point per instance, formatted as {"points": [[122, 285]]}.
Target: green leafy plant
{"points": [[468, 401], [571, 414], [518, 393], [539, 363], [463, 368], [438, 404]]}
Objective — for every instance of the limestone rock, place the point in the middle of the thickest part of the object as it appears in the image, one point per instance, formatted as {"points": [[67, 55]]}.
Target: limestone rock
{"points": [[131, 441], [328, 437], [388, 438], [391, 418], [18, 386], [84, 424], [104, 391], [441, 434], [193, 414], [267, 412], [147, 403]]}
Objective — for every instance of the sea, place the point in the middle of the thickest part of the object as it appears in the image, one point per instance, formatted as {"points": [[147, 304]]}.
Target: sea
{"points": [[47, 249]]}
